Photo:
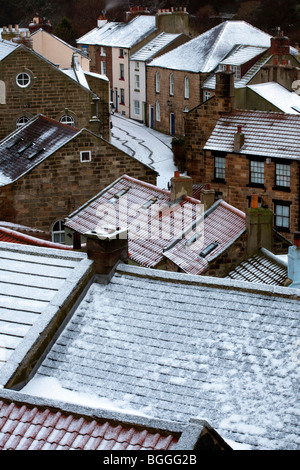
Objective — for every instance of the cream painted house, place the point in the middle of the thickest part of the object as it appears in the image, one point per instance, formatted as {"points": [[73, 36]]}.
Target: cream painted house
{"points": [[57, 51]]}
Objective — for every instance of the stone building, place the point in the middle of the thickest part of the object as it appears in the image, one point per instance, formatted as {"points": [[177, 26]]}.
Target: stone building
{"points": [[30, 84], [49, 169]]}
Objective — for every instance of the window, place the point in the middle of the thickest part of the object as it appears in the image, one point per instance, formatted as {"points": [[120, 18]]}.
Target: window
{"points": [[85, 156], [236, 69], [23, 80], [157, 82], [220, 168], [137, 66], [186, 87], [206, 95], [157, 110], [137, 107], [122, 91], [137, 82], [282, 216], [122, 76], [209, 249], [257, 170], [171, 84], [103, 51], [67, 119], [21, 121], [2, 92], [58, 232], [282, 175], [121, 53], [103, 67]]}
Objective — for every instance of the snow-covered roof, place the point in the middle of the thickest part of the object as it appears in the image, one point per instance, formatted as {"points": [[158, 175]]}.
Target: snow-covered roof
{"points": [[242, 54], [263, 267], [154, 46], [285, 100], [35, 283], [125, 35], [176, 346], [205, 52], [268, 134], [6, 47]]}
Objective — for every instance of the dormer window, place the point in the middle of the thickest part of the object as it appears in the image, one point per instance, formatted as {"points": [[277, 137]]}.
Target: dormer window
{"points": [[209, 249]]}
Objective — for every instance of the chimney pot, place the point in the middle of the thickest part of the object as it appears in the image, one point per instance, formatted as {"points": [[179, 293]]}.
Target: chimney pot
{"points": [[297, 239], [254, 201], [239, 128]]}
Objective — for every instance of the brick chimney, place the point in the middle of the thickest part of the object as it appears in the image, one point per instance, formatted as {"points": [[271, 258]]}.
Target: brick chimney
{"points": [[181, 186], [259, 224], [280, 44], [294, 262], [239, 139], [207, 196], [224, 84], [107, 247]]}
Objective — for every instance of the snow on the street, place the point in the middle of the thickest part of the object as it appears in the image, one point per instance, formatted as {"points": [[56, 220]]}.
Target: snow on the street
{"points": [[146, 145]]}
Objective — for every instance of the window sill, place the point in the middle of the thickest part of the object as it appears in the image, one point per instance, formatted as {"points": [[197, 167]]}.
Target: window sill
{"points": [[282, 229], [256, 185], [219, 180], [285, 189]]}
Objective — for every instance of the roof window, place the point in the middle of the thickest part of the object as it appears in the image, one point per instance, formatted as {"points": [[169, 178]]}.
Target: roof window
{"points": [[25, 147], [36, 153], [10, 146], [211, 247], [117, 196], [149, 203], [193, 239]]}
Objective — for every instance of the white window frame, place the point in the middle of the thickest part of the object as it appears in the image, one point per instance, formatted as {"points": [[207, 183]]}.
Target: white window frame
{"points": [[68, 120], [23, 80], [22, 121], [282, 213], [171, 84], [157, 111], [137, 82], [282, 175], [137, 108], [186, 87], [137, 65], [257, 172], [58, 236], [103, 51], [83, 155], [103, 67], [122, 72], [157, 82]]}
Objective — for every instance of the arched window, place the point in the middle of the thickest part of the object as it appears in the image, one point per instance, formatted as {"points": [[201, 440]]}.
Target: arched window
{"points": [[186, 87], [58, 232], [157, 82], [171, 84], [157, 109], [21, 121], [67, 119], [23, 80]]}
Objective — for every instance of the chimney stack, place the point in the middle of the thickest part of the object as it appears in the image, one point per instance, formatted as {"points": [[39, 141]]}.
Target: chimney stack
{"points": [[259, 224], [181, 186], [294, 262], [207, 197], [239, 139], [107, 247]]}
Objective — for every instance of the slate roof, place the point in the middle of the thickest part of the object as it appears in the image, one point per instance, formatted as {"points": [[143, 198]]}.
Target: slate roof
{"points": [[177, 346], [285, 100], [154, 47], [28, 424], [267, 134], [262, 267], [205, 52], [114, 34], [223, 224], [6, 47], [34, 284], [12, 236], [241, 54], [30, 145], [146, 244]]}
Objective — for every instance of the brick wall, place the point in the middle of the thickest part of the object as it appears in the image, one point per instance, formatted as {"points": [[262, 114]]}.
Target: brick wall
{"points": [[50, 92], [61, 184]]}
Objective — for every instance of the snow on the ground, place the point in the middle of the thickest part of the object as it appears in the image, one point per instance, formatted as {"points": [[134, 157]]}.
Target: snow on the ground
{"points": [[147, 145]]}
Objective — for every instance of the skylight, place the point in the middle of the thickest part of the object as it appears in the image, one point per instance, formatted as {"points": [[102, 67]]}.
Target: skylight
{"points": [[27, 146], [36, 153], [149, 203], [117, 196], [193, 239], [211, 247]]}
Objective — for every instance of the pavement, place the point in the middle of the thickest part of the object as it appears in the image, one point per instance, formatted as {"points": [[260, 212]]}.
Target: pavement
{"points": [[146, 145]]}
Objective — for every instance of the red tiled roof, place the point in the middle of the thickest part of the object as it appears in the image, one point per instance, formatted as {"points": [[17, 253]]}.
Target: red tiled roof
{"points": [[147, 247], [223, 223], [29, 427], [12, 236]]}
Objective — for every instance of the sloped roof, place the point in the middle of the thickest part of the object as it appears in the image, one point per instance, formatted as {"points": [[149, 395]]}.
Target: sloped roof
{"points": [[262, 267], [126, 35], [223, 224], [205, 52], [13, 236], [6, 47], [241, 54], [31, 144], [27, 424], [147, 239], [175, 346], [153, 47], [285, 100], [267, 134], [34, 284]]}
